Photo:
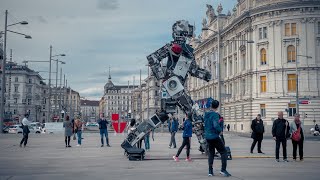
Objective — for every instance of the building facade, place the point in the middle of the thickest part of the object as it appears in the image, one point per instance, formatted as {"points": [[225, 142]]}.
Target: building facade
{"points": [[118, 99], [89, 110], [64, 101], [151, 97], [260, 77], [25, 93]]}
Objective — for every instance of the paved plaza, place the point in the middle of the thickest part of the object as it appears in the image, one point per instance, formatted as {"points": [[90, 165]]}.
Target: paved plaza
{"points": [[47, 158]]}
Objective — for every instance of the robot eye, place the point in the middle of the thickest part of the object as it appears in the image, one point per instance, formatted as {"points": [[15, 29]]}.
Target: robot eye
{"points": [[172, 84]]}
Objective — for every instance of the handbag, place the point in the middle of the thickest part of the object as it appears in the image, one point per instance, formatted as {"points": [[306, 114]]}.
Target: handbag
{"points": [[74, 137], [296, 136]]}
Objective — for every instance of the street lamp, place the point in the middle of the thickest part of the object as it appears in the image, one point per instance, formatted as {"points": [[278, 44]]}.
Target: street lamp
{"points": [[297, 82], [218, 61], [57, 70], [3, 82]]}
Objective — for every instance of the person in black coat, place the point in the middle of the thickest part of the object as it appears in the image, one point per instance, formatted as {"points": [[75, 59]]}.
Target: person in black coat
{"points": [[257, 133], [280, 133]]}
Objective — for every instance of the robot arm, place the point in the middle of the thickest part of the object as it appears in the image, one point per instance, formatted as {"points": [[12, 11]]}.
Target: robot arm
{"points": [[198, 72], [154, 60]]}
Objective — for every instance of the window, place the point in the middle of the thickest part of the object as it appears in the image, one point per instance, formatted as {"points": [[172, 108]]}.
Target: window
{"points": [[263, 110], [29, 90], [16, 79], [318, 27], [292, 78], [230, 68], [14, 111], [235, 66], [29, 101], [291, 53], [16, 89], [292, 109], [290, 29], [243, 62], [263, 33], [30, 80], [263, 84], [241, 127], [242, 111], [263, 56], [15, 100], [243, 89]]}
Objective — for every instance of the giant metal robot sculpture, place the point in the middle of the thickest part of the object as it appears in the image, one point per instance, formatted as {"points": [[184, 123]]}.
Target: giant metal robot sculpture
{"points": [[173, 73]]}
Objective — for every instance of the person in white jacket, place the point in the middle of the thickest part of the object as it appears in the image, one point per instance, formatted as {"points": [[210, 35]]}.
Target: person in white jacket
{"points": [[26, 131]]}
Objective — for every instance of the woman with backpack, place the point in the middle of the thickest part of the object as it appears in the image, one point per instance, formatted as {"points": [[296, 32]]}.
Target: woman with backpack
{"points": [[296, 131]]}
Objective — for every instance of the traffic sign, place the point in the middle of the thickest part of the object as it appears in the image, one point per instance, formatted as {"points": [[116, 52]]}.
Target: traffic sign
{"points": [[304, 102]]}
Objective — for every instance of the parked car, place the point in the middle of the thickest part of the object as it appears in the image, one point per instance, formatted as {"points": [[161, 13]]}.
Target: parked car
{"points": [[5, 129], [53, 127], [92, 124], [15, 129]]}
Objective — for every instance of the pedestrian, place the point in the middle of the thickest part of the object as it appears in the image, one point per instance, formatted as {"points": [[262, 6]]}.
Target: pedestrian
{"points": [[103, 127], [147, 141], [316, 128], [280, 133], [67, 131], [78, 129], [187, 133], [257, 128], [221, 123], [25, 130], [173, 130], [213, 130], [228, 127], [297, 136]]}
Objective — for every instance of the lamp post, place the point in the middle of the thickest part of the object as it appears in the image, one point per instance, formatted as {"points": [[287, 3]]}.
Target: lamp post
{"points": [[218, 61], [50, 91], [3, 82], [56, 110], [297, 81]]}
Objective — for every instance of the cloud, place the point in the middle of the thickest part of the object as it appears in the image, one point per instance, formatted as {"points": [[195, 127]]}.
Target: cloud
{"points": [[108, 4], [97, 34]]}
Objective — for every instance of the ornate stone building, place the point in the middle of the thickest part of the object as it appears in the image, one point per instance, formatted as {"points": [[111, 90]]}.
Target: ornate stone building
{"points": [[117, 99], [260, 77]]}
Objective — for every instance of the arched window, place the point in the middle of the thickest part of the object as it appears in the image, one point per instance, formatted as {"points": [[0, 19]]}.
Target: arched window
{"points": [[263, 56], [291, 53]]}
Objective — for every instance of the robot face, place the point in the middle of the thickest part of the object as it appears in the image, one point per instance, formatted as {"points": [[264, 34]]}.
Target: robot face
{"points": [[181, 30]]}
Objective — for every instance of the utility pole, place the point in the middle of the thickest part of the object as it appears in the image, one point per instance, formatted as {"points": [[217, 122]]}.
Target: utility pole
{"points": [[148, 81], [49, 84], [140, 99], [297, 79], [60, 95], [219, 64], [3, 82], [56, 91]]}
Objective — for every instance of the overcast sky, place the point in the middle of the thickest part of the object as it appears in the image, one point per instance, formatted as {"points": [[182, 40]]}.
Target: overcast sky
{"points": [[96, 34]]}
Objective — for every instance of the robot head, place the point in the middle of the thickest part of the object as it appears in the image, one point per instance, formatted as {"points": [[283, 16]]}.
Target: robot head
{"points": [[181, 30]]}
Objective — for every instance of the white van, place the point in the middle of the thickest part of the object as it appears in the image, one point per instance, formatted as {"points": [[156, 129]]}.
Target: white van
{"points": [[53, 127]]}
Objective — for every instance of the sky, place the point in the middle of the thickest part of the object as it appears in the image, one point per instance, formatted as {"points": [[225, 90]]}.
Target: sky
{"points": [[96, 35]]}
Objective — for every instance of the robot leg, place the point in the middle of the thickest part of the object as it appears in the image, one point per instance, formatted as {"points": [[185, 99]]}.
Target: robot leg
{"points": [[186, 104]]}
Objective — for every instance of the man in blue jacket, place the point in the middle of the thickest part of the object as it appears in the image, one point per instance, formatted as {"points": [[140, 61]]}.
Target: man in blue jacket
{"points": [[187, 133], [173, 130], [103, 127], [213, 130]]}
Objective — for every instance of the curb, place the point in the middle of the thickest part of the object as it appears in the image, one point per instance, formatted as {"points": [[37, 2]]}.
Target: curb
{"points": [[233, 157]]}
